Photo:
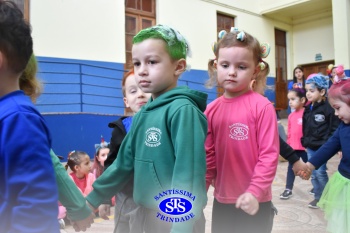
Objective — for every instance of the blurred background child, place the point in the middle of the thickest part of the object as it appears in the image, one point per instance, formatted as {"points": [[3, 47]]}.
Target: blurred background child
{"points": [[298, 78], [297, 100], [79, 163], [101, 153]]}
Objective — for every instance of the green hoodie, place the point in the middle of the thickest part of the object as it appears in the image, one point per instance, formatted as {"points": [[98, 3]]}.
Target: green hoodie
{"points": [[165, 151]]}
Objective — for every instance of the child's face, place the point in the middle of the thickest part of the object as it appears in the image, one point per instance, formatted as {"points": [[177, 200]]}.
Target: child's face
{"points": [[299, 75], [134, 98], [155, 71], [334, 72], [313, 94], [84, 167], [295, 101], [342, 110], [235, 70], [102, 155]]}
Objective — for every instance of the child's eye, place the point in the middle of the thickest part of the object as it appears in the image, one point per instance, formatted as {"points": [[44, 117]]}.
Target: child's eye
{"points": [[136, 63], [152, 62], [224, 65], [242, 67]]}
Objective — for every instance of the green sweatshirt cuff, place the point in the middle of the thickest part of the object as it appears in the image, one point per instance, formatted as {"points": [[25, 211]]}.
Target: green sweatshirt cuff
{"points": [[94, 199]]}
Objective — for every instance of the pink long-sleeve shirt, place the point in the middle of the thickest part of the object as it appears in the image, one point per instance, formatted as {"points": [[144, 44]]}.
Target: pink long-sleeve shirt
{"points": [[295, 129], [242, 147]]}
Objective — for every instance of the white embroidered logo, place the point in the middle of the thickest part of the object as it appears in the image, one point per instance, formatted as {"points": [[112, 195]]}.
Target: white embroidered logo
{"points": [[239, 131], [300, 121], [153, 136], [320, 118]]}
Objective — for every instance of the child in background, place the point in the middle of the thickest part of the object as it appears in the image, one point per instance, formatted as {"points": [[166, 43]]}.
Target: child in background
{"points": [[28, 190], [242, 144], [335, 199], [101, 153], [319, 123], [298, 78], [297, 100], [79, 163], [164, 148], [125, 209]]}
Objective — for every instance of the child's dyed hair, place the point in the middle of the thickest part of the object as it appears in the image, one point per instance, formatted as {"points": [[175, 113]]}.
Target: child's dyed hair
{"points": [[341, 91], [74, 158], [251, 43], [318, 80], [295, 78], [15, 37], [300, 92], [176, 45], [28, 81], [126, 75]]}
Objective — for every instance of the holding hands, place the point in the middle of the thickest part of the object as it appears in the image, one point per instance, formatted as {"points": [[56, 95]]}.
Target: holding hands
{"points": [[248, 203], [303, 169], [82, 225]]}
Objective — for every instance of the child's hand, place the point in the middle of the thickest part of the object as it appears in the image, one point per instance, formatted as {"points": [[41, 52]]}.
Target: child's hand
{"points": [[305, 174], [299, 167], [248, 203], [82, 225], [104, 211]]}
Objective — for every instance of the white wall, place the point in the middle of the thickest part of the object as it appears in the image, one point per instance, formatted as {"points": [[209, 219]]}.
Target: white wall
{"points": [[312, 38], [79, 29]]}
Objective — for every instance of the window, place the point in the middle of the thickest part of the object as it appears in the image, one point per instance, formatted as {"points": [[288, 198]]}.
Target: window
{"points": [[139, 14], [223, 22], [24, 6]]}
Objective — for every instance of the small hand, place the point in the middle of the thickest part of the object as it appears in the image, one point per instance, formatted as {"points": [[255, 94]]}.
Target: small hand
{"points": [[299, 166], [104, 211], [248, 203], [82, 225]]}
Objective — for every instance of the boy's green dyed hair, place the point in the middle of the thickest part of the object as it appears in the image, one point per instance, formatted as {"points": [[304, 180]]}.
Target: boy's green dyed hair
{"points": [[177, 45]]}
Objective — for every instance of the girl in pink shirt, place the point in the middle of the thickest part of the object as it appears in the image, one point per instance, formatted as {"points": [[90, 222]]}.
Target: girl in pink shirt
{"points": [[242, 144], [79, 163], [297, 100]]}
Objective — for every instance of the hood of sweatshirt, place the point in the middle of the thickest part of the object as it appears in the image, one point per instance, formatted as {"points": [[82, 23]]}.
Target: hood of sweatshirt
{"points": [[199, 99]]}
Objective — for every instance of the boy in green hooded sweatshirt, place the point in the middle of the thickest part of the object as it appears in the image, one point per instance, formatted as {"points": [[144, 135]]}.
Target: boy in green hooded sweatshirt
{"points": [[164, 148]]}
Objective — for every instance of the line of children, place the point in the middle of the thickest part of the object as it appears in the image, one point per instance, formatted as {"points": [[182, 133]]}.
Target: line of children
{"points": [[164, 148], [125, 216], [242, 144], [319, 123], [297, 100], [335, 197]]}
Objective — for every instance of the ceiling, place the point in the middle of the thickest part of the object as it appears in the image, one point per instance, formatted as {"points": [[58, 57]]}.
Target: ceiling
{"points": [[296, 12]]}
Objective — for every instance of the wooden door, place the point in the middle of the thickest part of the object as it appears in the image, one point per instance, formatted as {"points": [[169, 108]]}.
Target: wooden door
{"points": [[319, 67]]}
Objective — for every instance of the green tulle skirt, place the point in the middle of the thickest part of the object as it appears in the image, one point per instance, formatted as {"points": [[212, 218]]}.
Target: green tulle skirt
{"points": [[335, 201]]}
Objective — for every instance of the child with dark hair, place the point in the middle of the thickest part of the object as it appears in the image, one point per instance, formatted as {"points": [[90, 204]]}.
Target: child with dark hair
{"points": [[79, 163], [28, 190], [102, 150], [298, 78], [297, 100], [319, 123]]}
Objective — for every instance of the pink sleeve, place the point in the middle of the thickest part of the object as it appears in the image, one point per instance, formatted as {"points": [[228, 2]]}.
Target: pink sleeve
{"points": [[210, 156], [268, 144]]}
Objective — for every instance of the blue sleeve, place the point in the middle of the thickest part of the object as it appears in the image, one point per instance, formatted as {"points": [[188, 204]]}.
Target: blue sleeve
{"points": [[290, 85], [327, 151], [28, 191]]}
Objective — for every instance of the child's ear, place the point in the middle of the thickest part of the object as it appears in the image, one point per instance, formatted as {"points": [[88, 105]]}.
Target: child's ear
{"points": [[180, 66], [126, 102], [256, 71], [303, 100], [323, 92], [76, 167]]}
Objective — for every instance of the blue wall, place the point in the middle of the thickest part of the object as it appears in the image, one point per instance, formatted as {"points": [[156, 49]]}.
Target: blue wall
{"points": [[81, 97]]}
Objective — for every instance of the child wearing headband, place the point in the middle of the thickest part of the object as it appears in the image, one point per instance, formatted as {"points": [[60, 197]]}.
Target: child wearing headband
{"points": [[164, 148], [242, 144], [297, 100], [319, 123]]}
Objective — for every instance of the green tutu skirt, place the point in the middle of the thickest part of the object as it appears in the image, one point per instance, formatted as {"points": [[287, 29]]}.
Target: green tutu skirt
{"points": [[335, 201]]}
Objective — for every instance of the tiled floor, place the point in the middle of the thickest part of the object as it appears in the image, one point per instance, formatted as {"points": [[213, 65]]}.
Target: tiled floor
{"points": [[293, 214]]}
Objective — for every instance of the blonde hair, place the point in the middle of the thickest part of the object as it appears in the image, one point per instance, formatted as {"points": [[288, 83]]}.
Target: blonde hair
{"points": [[28, 81], [251, 43]]}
